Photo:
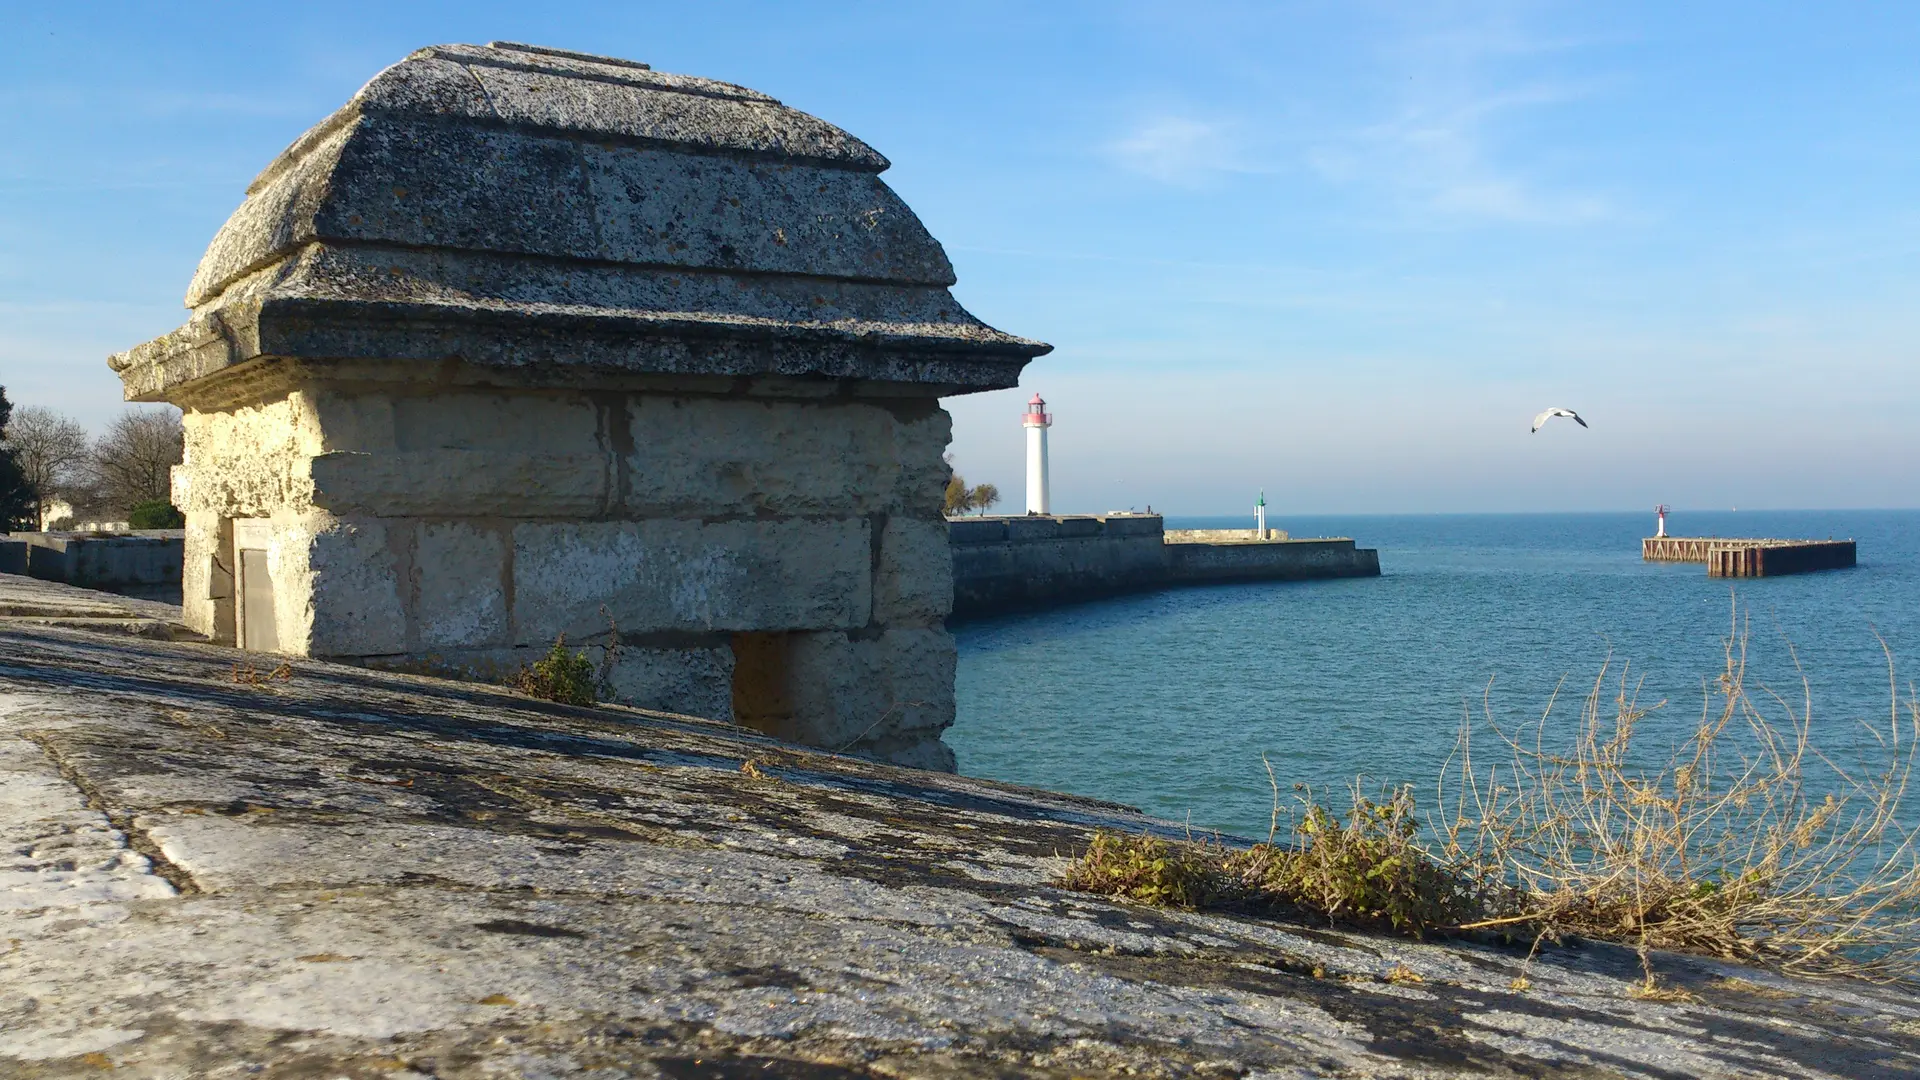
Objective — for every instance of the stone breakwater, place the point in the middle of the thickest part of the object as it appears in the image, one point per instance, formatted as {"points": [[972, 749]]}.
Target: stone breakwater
{"points": [[1726, 557], [1011, 563], [342, 872]]}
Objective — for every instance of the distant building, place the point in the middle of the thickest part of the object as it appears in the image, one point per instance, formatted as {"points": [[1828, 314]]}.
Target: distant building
{"points": [[63, 516]]}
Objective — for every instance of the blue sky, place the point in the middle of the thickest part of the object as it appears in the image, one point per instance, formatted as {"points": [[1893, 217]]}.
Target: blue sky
{"points": [[1339, 250]]}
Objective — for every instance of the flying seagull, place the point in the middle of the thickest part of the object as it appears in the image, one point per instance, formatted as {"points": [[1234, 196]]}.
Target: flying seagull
{"points": [[1541, 420]]}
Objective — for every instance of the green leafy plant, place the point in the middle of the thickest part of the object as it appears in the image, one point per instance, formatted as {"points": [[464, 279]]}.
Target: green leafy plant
{"points": [[1149, 870], [562, 675], [1367, 868]]}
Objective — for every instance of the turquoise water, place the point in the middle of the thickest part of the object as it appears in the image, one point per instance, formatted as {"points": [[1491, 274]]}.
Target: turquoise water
{"points": [[1167, 700]]}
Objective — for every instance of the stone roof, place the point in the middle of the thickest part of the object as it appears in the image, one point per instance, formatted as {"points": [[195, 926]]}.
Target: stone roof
{"points": [[515, 207], [215, 871]]}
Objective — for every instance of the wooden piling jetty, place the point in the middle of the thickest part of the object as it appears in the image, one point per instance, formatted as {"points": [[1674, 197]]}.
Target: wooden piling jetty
{"points": [[1728, 557]]}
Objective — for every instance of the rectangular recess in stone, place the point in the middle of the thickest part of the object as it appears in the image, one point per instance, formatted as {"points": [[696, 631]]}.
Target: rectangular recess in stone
{"points": [[678, 575], [256, 602]]}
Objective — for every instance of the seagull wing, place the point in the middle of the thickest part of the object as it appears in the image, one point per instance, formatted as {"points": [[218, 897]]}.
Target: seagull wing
{"points": [[1540, 420], [1576, 418]]}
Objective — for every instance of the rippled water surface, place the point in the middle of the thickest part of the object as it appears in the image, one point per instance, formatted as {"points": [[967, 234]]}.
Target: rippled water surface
{"points": [[1167, 700]]}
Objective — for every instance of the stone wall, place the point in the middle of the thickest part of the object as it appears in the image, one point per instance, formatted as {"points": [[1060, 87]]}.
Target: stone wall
{"points": [[1007, 563], [146, 564], [1010, 563], [1283, 560], [466, 529]]}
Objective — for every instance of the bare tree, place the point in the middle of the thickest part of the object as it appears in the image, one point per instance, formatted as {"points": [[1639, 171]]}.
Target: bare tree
{"points": [[132, 462], [51, 450]]}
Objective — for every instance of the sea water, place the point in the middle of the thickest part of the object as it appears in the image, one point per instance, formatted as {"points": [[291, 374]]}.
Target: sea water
{"points": [[1168, 700]]}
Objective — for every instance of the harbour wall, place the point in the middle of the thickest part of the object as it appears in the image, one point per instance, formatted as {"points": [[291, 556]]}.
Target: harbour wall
{"points": [[145, 564], [1726, 557], [1014, 563]]}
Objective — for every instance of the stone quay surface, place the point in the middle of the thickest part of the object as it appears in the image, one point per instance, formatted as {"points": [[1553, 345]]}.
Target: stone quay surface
{"points": [[221, 872], [522, 343]]}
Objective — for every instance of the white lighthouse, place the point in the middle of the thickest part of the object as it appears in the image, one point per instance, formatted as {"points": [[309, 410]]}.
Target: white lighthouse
{"points": [[1260, 516], [1037, 421]]}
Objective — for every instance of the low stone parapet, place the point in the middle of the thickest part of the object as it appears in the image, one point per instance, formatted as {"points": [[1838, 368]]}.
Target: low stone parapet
{"points": [[1224, 536], [1004, 564], [1012, 563], [1281, 560], [145, 564]]}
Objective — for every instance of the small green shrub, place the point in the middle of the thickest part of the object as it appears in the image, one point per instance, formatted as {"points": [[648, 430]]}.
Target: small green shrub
{"points": [[1366, 870], [562, 676], [1149, 870], [156, 514]]}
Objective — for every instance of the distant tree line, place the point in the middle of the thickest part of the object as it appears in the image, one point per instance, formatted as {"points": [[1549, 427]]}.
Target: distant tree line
{"points": [[961, 498], [125, 474]]}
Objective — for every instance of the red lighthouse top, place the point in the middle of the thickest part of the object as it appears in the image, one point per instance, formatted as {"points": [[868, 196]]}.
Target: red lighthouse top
{"points": [[1037, 414]]}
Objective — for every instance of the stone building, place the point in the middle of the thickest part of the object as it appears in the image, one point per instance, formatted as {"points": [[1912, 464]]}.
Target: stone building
{"points": [[523, 343]]}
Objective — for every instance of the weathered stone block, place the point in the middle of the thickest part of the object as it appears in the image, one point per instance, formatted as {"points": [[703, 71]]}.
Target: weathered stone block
{"points": [[197, 592], [894, 689], [695, 682], [920, 446], [737, 456], [913, 582], [930, 754], [356, 421], [460, 586], [245, 462], [337, 587], [551, 423], [468, 483], [678, 575]]}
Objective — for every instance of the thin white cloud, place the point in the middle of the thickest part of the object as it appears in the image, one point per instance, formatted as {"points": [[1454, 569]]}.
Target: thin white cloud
{"points": [[1440, 147], [1180, 150], [1438, 154]]}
